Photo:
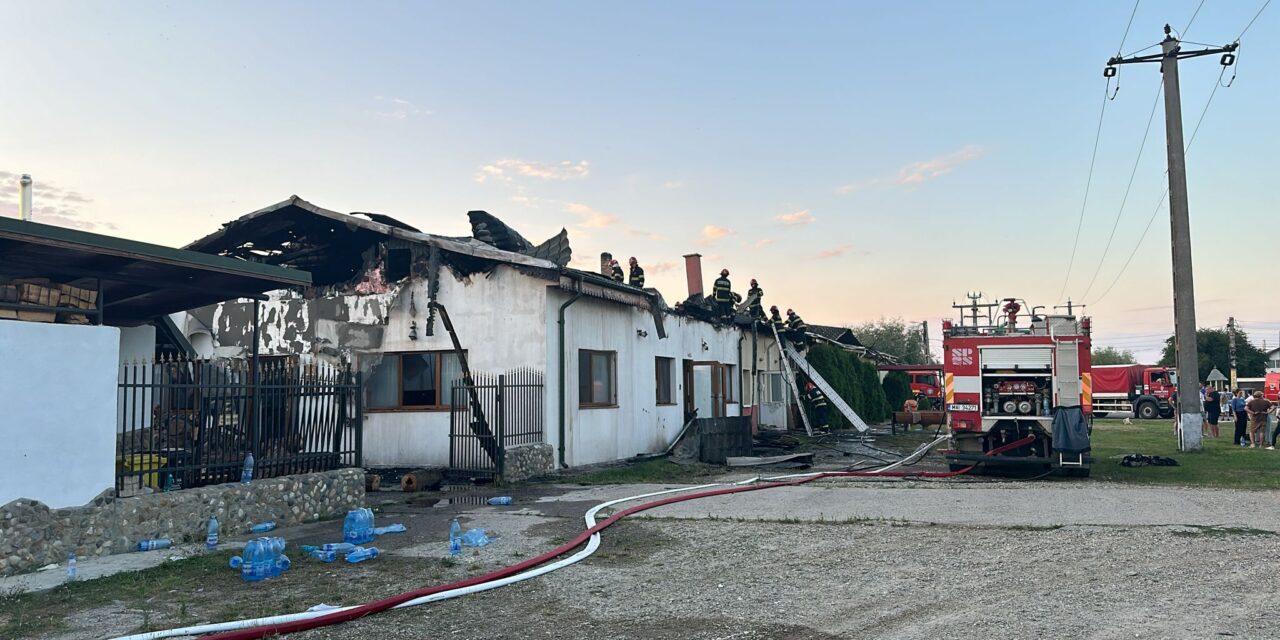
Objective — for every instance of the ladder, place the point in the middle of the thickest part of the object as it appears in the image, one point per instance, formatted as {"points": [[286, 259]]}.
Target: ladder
{"points": [[791, 380], [826, 388]]}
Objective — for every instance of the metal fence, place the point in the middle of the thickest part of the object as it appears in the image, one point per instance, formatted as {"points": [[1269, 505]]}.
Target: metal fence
{"points": [[186, 423], [496, 412]]}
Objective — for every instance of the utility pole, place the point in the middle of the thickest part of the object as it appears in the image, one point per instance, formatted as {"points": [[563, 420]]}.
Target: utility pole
{"points": [[1190, 420], [1231, 348], [928, 353]]}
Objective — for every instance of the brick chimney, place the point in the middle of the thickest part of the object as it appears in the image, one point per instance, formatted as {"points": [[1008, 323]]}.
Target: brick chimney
{"points": [[693, 273], [606, 264]]}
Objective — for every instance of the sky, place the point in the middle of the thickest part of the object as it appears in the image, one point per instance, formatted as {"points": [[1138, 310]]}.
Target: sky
{"points": [[860, 159]]}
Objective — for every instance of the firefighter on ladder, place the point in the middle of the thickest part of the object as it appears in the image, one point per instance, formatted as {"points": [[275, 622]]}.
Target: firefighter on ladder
{"points": [[796, 328], [776, 320], [617, 271], [723, 295], [818, 403], [754, 295], [637, 274]]}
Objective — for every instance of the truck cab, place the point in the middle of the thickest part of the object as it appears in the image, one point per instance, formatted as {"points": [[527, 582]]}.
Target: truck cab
{"points": [[925, 384]]}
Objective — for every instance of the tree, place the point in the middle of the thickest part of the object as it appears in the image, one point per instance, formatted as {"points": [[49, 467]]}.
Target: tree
{"points": [[1215, 351], [1112, 355], [895, 337], [855, 380], [897, 388]]}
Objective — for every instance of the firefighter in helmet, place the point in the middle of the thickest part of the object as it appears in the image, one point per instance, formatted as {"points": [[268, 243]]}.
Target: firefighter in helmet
{"points": [[818, 403], [637, 274], [754, 295], [776, 320], [797, 330], [723, 295], [617, 271]]}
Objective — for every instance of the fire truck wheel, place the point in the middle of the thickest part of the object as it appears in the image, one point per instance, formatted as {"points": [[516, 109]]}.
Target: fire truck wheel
{"points": [[1148, 411]]}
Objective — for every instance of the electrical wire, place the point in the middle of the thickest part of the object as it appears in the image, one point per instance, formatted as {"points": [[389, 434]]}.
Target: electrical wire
{"points": [[1182, 36], [1130, 24], [1255, 19], [1123, 201]]}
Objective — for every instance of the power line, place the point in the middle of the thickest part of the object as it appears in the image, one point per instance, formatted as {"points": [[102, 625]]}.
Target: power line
{"points": [[1135, 12], [1136, 161], [1255, 19], [1187, 28]]}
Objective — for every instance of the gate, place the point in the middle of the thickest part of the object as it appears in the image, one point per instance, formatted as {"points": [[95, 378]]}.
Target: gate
{"points": [[494, 412]]}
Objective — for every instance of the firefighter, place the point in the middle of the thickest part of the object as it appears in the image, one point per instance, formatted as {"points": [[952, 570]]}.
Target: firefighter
{"points": [[617, 271], [723, 295], [637, 274], [796, 328], [755, 294], [818, 403], [776, 320]]}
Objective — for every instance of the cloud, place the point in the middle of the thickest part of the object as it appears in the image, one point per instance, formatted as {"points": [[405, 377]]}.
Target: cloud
{"points": [[835, 252], [397, 108], [642, 233], [507, 169], [673, 184], [660, 267], [794, 218], [592, 218], [920, 171], [51, 204], [762, 243], [712, 232]]}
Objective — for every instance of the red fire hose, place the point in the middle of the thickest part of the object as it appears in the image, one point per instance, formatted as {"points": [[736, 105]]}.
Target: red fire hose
{"points": [[389, 602]]}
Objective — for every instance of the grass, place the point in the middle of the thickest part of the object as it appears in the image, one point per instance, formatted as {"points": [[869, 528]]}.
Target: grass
{"points": [[655, 471], [1218, 464]]}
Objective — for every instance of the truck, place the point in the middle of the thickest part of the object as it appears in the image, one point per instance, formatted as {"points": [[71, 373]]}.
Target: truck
{"points": [[1004, 382], [925, 384], [1146, 391]]}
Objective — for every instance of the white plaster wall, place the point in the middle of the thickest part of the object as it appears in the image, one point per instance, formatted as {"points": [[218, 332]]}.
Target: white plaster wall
{"points": [[58, 422], [499, 321], [137, 344], [637, 424]]}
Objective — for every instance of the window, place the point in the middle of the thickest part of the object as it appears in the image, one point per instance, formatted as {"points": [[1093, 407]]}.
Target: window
{"points": [[420, 380], [729, 384], [596, 371], [664, 370], [773, 387]]}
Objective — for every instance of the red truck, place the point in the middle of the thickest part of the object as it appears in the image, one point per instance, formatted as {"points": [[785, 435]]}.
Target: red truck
{"points": [[1146, 391]]}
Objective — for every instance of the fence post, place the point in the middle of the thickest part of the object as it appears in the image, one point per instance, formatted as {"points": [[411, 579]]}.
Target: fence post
{"points": [[501, 430], [359, 417], [255, 430]]}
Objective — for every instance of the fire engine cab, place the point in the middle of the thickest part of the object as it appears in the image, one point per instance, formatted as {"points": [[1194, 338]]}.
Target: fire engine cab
{"points": [[1007, 378]]}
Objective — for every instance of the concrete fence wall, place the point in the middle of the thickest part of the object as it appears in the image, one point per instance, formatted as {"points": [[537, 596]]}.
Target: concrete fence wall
{"points": [[33, 535]]}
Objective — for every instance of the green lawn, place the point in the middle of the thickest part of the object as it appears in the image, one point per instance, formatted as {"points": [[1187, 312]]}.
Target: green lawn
{"points": [[1219, 464]]}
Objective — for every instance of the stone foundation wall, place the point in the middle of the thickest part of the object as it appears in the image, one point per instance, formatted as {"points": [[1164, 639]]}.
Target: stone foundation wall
{"points": [[528, 461], [33, 535]]}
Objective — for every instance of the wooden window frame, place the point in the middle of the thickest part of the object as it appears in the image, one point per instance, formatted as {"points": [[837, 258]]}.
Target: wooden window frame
{"points": [[613, 379], [670, 363], [442, 403]]}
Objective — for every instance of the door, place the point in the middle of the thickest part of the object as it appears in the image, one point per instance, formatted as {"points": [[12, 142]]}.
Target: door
{"points": [[1067, 375], [773, 399]]}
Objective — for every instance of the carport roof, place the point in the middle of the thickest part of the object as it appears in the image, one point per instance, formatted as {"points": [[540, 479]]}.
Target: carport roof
{"points": [[139, 280]]}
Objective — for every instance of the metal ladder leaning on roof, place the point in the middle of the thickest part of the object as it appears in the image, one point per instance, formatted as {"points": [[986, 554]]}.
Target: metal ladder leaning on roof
{"points": [[826, 388], [791, 380]]}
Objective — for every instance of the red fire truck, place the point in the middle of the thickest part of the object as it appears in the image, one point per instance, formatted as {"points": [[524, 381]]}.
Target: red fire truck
{"points": [[1146, 391], [1004, 379]]}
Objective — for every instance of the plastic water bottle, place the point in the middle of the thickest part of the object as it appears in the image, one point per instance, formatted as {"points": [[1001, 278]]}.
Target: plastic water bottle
{"points": [[262, 527], [323, 555], [168, 483], [357, 528], [360, 554], [391, 528], [211, 538], [500, 501], [455, 538], [247, 474], [155, 543], [475, 538], [71, 565], [236, 562]]}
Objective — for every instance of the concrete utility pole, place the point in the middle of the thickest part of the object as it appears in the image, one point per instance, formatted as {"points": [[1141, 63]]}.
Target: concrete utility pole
{"points": [[1231, 348], [1190, 420], [928, 352]]}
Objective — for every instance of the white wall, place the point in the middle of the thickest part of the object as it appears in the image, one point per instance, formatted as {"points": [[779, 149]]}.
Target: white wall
{"points": [[58, 422], [133, 406]]}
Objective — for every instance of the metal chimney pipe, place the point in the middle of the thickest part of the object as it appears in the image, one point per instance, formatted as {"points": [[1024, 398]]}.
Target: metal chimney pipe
{"points": [[693, 273], [24, 198]]}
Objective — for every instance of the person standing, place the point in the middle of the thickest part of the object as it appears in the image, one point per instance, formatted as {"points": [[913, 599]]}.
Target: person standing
{"points": [[1242, 418], [637, 274], [1212, 408], [796, 328], [723, 295], [818, 402], [617, 271], [775, 318], [755, 294], [1258, 408]]}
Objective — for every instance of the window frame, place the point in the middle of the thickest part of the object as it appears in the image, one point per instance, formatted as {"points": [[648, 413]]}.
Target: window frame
{"points": [[670, 364], [612, 357], [442, 403]]}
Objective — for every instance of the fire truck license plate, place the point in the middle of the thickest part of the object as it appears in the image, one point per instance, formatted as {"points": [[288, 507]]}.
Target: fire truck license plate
{"points": [[963, 407]]}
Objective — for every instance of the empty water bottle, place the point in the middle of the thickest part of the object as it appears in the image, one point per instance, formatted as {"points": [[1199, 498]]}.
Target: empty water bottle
{"points": [[262, 527], [360, 554], [263, 558], [391, 528], [155, 543], [71, 565], [357, 528], [322, 555], [211, 538], [500, 501], [168, 483], [247, 474], [475, 538]]}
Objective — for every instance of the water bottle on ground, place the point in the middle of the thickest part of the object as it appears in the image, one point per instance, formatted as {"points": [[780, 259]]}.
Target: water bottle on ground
{"points": [[360, 554], [71, 565], [391, 528], [322, 555], [455, 538], [168, 483], [247, 474], [501, 501], [475, 538], [357, 528], [155, 543], [211, 538], [262, 527]]}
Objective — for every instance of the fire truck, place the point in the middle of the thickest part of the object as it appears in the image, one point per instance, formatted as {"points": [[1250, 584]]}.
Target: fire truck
{"points": [[1144, 390], [1004, 377]]}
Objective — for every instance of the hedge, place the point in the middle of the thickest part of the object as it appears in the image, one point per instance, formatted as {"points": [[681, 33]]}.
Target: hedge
{"points": [[856, 381]]}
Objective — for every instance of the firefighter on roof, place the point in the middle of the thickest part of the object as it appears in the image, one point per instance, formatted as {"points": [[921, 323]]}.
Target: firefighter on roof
{"points": [[637, 274], [796, 328], [723, 295], [617, 271], [818, 403], [776, 320], [754, 295]]}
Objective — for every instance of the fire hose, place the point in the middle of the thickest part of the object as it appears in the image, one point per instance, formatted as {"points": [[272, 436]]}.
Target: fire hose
{"points": [[291, 623]]}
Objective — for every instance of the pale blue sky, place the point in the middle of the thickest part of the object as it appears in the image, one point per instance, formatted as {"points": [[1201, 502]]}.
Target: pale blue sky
{"points": [[917, 150]]}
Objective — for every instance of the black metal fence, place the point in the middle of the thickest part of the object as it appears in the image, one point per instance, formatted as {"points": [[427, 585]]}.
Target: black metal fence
{"points": [[496, 412], [186, 423]]}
